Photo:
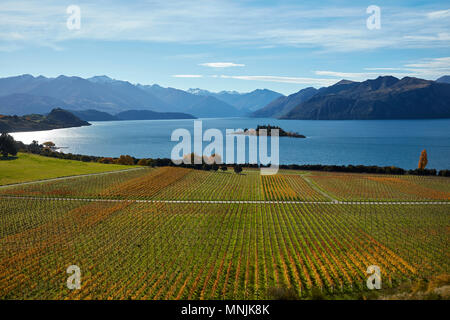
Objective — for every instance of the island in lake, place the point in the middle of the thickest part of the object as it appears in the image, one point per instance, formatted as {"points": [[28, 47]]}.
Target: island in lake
{"points": [[268, 132]]}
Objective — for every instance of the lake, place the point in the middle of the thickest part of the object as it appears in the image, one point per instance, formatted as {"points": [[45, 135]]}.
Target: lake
{"points": [[368, 142]]}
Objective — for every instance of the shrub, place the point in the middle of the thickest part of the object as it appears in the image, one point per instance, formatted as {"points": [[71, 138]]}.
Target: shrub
{"points": [[444, 173]]}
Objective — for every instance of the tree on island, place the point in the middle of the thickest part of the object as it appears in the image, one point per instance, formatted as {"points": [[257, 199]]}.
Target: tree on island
{"points": [[423, 160], [7, 145], [49, 144]]}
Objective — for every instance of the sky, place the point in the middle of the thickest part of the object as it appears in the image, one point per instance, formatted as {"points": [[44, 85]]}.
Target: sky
{"points": [[226, 45]]}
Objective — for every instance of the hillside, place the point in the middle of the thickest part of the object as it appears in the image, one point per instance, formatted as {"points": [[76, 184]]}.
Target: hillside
{"points": [[31, 167], [381, 98], [56, 119], [283, 104], [444, 79], [94, 115]]}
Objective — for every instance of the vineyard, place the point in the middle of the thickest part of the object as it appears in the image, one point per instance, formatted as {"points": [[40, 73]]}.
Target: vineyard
{"points": [[381, 187], [133, 240]]}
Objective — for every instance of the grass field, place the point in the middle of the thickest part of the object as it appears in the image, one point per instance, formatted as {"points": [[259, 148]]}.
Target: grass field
{"points": [[30, 167], [300, 240]]}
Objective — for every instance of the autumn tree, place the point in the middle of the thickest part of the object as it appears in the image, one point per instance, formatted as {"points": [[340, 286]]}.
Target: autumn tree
{"points": [[125, 160], [423, 161], [142, 162]]}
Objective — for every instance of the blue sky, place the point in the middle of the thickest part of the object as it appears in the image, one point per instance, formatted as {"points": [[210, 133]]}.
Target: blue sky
{"points": [[226, 45]]}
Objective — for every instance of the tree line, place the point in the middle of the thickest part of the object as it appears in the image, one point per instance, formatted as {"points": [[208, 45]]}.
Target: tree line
{"points": [[9, 146]]}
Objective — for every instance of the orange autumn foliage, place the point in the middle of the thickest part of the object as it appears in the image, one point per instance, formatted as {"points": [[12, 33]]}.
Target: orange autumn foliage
{"points": [[423, 161]]}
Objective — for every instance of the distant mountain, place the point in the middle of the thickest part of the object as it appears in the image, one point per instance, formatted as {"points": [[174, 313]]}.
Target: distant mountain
{"points": [[56, 119], [26, 94], [94, 115], [200, 92], [151, 115], [203, 108], [382, 98], [102, 79], [20, 84], [97, 93], [106, 96], [283, 105], [197, 105], [444, 79], [245, 102], [253, 100]]}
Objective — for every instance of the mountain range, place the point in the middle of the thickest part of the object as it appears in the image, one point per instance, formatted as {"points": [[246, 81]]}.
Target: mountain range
{"points": [[383, 98], [26, 94]]}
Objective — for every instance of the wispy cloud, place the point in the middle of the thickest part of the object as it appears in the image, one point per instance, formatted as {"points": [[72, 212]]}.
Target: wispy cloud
{"points": [[429, 68], [221, 64], [431, 63], [360, 76], [228, 23], [439, 14], [389, 69], [282, 79], [187, 76]]}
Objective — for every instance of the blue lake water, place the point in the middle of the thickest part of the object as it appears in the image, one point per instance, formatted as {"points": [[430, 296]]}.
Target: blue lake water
{"points": [[369, 142]]}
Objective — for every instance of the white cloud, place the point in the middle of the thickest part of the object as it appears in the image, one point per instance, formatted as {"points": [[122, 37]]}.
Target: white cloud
{"points": [[439, 14], [221, 64], [187, 76]]}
